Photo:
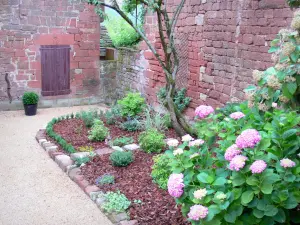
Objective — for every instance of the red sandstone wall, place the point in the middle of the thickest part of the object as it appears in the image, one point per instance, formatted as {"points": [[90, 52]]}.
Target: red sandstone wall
{"points": [[25, 25], [227, 39]]}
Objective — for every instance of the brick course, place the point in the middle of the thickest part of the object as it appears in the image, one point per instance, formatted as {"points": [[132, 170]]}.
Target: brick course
{"points": [[28, 24], [227, 39]]}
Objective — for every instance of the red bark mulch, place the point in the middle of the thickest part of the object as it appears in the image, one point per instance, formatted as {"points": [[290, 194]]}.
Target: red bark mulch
{"points": [[157, 208]]}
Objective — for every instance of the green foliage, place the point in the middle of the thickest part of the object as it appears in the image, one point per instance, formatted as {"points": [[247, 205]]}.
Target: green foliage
{"points": [[294, 3], [62, 142], [86, 148], [30, 98], [121, 141], [121, 158], [279, 84], [112, 115], [180, 100], [161, 170], [98, 132], [167, 120], [83, 160], [131, 125], [154, 120], [105, 179], [152, 141], [89, 117], [115, 202], [132, 104], [235, 196]]}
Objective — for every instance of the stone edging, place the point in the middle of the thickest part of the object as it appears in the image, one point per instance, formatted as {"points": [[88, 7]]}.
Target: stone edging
{"points": [[67, 165]]}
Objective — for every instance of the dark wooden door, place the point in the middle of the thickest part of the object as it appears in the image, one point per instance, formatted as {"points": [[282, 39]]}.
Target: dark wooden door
{"points": [[55, 60]]}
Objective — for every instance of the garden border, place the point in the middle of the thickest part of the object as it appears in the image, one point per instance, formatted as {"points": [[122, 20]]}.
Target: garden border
{"points": [[68, 166]]}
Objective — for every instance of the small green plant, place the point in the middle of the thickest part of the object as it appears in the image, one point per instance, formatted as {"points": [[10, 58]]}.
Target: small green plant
{"points": [[161, 170], [131, 125], [122, 141], [89, 117], [132, 104], [30, 98], [167, 120], [137, 201], [153, 120], [105, 179], [152, 141], [112, 115], [86, 148], [115, 202], [98, 132], [83, 160], [121, 158], [72, 115], [180, 99]]}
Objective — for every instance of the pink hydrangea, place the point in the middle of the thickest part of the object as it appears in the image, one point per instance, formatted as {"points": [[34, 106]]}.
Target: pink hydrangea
{"points": [[232, 151], [175, 185], [203, 111], [248, 139], [238, 162], [287, 163], [236, 115], [258, 166], [198, 212]]}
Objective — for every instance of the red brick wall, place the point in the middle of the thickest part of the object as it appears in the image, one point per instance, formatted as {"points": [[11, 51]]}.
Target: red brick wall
{"points": [[227, 39], [28, 24]]}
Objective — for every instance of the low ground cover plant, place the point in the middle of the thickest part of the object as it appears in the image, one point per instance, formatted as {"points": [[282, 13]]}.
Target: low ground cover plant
{"points": [[121, 158], [152, 141], [88, 117], [122, 141], [105, 179], [86, 148], [115, 202], [161, 170]]}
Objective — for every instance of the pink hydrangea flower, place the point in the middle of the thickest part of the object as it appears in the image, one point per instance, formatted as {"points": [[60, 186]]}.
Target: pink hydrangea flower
{"points": [[236, 115], [175, 185], [287, 163], [238, 162], [198, 212], [258, 166], [232, 151], [248, 139], [203, 111]]}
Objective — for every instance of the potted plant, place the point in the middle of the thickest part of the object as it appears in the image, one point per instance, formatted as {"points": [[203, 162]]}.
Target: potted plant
{"points": [[30, 100]]}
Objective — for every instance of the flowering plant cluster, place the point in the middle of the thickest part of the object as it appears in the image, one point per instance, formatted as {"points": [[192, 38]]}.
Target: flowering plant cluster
{"points": [[279, 85], [245, 172]]}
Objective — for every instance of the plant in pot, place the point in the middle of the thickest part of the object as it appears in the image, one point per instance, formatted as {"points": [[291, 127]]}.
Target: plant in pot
{"points": [[30, 100]]}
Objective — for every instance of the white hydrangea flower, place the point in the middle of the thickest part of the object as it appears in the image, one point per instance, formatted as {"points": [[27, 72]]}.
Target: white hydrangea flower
{"points": [[178, 151], [187, 138], [201, 193], [173, 142]]}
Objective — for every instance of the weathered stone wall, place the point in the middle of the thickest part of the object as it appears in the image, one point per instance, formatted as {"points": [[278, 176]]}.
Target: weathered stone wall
{"points": [[123, 74], [227, 39], [25, 25]]}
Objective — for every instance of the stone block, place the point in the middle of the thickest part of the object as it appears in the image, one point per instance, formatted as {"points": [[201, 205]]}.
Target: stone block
{"points": [[63, 161], [95, 195], [74, 172], [199, 19], [203, 97], [47, 145], [100, 200], [131, 147], [103, 151], [117, 217], [129, 222], [82, 183], [52, 154], [41, 141], [208, 79], [91, 188], [51, 148], [79, 155]]}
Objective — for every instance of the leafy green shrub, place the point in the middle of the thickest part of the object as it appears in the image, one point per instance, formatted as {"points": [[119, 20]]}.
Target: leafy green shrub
{"points": [[86, 148], [115, 202], [98, 132], [121, 33], [152, 141], [131, 125], [161, 170], [105, 179], [249, 176], [180, 100], [121, 158], [167, 120], [122, 141], [112, 115], [153, 120], [83, 160], [293, 3], [89, 117], [279, 85], [132, 104], [30, 98]]}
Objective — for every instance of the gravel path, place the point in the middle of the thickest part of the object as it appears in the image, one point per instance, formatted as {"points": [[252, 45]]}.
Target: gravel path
{"points": [[33, 189]]}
